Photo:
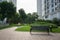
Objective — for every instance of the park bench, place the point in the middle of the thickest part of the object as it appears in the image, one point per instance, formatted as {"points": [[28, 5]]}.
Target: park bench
{"points": [[41, 28]]}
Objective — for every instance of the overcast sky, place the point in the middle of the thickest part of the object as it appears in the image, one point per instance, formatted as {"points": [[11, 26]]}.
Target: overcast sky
{"points": [[28, 5]]}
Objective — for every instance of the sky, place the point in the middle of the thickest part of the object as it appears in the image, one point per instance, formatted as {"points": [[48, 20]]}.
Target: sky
{"points": [[28, 5]]}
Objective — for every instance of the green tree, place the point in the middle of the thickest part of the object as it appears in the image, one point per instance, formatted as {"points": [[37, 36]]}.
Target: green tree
{"points": [[23, 15], [35, 15], [16, 18], [7, 9], [56, 21], [29, 18], [29, 14]]}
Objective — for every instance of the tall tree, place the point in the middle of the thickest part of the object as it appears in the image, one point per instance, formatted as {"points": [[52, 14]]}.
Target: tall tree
{"points": [[23, 15], [16, 18], [29, 18], [7, 9], [35, 15]]}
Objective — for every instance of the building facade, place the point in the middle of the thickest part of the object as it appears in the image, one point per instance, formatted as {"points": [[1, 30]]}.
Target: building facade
{"points": [[40, 8], [49, 9]]}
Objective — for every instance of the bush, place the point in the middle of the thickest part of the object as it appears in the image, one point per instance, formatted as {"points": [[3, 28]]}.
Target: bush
{"points": [[44, 24], [56, 21]]}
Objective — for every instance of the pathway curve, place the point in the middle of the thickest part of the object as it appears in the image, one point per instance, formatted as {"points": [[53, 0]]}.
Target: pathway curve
{"points": [[11, 34]]}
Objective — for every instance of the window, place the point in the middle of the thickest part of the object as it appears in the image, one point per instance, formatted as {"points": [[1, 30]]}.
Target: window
{"points": [[46, 16], [52, 10], [59, 1], [48, 11], [55, 3], [52, 5], [47, 7], [55, 0], [45, 1], [48, 3], [56, 8], [52, 1]]}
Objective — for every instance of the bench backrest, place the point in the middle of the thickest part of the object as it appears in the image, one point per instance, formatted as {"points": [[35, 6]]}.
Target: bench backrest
{"points": [[40, 27]]}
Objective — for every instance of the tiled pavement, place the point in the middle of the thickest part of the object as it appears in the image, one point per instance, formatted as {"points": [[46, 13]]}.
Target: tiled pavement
{"points": [[11, 34]]}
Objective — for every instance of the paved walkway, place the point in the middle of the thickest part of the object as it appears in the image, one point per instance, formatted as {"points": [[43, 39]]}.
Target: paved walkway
{"points": [[11, 34]]}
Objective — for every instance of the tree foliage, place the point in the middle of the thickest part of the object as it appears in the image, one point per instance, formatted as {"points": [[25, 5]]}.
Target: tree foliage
{"points": [[16, 18], [35, 15], [23, 15], [31, 17], [7, 9]]}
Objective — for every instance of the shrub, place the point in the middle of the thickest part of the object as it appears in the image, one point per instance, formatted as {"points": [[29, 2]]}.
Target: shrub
{"points": [[56, 21]]}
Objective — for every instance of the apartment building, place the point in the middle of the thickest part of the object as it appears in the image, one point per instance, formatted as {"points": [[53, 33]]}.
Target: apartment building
{"points": [[40, 8], [48, 9]]}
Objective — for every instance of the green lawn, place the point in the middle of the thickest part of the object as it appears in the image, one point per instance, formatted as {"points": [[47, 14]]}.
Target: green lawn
{"points": [[56, 30], [23, 28], [27, 28]]}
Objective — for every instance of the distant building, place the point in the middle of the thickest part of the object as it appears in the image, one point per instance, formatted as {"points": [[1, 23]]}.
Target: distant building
{"points": [[40, 5], [48, 9]]}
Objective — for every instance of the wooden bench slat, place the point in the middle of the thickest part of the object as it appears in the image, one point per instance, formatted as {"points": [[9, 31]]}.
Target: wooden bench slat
{"points": [[42, 28]]}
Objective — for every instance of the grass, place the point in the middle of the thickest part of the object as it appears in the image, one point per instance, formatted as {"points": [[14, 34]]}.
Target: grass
{"points": [[3, 27], [56, 30], [11, 25], [24, 28]]}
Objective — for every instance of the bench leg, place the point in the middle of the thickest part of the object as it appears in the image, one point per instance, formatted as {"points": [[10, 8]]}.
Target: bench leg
{"points": [[30, 30], [51, 29], [48, 31]]}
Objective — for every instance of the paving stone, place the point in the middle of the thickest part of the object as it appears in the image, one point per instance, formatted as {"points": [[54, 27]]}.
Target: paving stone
{"points": [[11, 34]]}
